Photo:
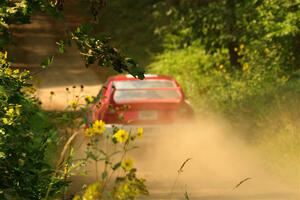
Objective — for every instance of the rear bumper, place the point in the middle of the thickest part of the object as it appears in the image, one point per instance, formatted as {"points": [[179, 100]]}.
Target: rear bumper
{"points": [[110, 127], [147, 128]]}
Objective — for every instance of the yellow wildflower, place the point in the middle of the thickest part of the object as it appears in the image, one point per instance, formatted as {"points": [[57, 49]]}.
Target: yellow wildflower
{"points": [[140, 132], [10, 112], [16, 71], [8, 71], [242, 46], [121, 136], [89, 132], [5, 121], [127, 164], [245, 66], [76, 197], [74, 104], [89, 99], [17, 109], [99, 127], [2, 155], [93, 191], [221, 66]]}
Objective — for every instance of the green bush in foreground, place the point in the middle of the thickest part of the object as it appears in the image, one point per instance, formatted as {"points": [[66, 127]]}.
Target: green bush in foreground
{"points": [[24, 137], [114, 169], [26, 133]]}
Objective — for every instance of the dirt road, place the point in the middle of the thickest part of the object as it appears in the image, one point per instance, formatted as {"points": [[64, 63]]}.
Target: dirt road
{"points": [[218, 162], [36, 42]]}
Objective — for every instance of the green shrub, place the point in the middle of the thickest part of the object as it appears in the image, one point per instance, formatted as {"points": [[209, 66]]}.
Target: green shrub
{"points": [[210, 84], [25, 135], [260, 102]]}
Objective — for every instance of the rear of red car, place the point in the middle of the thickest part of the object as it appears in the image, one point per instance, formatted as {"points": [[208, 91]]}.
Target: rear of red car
{"points": [[156, 100]]}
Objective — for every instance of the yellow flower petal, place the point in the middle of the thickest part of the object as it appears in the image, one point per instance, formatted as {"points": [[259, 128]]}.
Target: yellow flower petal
{"points": [[127, 164], [10, 112], [140, 132], [89, 132], [99, 127], [8, 71], [5, 121], [245, 66], [121, 136], [89, 99], [74, 104]]}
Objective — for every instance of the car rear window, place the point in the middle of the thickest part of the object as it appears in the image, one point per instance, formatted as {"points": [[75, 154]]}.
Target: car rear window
{"points": [[140, 95], [144, 84], [145, 90]]}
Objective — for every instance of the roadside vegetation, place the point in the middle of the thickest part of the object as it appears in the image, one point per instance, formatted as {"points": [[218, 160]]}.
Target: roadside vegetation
{"points": [[240, 59], [236, 59], [37, 152], [36, 146]]}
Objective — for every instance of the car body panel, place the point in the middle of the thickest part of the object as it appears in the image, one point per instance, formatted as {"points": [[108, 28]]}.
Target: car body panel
{"points": [[164, 103]]}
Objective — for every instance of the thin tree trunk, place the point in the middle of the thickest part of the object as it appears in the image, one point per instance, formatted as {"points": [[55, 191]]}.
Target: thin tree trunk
{"points": [[173, 2], [232, 33]]}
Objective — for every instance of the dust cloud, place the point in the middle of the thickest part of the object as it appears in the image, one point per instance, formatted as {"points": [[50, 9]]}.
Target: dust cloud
{"points": [[219, 161]]}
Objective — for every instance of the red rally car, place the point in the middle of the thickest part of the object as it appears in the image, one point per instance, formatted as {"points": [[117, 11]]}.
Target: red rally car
{"points": [[155, 100]]}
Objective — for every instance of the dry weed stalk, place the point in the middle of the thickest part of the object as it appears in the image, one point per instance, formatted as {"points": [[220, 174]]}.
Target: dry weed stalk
{"points": [[179, 171]]}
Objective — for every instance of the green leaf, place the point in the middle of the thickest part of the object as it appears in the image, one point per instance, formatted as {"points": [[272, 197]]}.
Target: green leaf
{"points": [[3, 93], [91, 155], [2, 155], [104, 175], [116, 166], [3, 24], [84, 28], [47, 62], [38, 121], [61, 46], [137, 72], [186, 195]]}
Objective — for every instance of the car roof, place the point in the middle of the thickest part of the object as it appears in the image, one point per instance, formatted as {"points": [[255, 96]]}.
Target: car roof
{"points": [[147, 77]]}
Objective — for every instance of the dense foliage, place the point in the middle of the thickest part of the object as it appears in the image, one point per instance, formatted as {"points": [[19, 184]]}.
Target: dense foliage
{"points": [[269, 29], [241, 60], [94, 48], [25, 135], [242, 54], [25, 129]]}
